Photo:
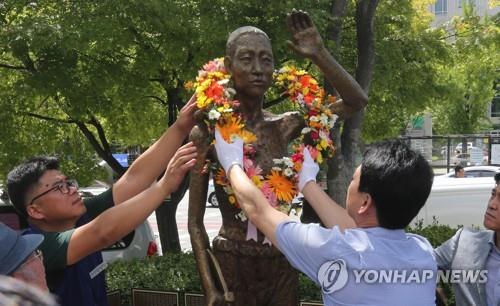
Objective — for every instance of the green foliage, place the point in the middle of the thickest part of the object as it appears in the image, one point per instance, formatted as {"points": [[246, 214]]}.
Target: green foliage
{"points": [[175, 271], [407, 52], [468, 77]]}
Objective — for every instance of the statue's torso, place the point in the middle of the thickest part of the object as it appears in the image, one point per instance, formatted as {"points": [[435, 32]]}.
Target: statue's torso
{"points": [[274, 133]]}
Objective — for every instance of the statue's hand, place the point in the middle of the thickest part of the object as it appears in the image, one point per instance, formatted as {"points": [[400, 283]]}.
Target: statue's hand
{"points": [[306, 40]]}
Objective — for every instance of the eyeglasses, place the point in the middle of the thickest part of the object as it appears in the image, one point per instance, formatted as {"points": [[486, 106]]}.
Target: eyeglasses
{"points": [[63, 187]]}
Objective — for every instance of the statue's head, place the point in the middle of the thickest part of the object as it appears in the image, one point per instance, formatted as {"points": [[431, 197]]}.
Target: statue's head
{"points": [[249, 59]]}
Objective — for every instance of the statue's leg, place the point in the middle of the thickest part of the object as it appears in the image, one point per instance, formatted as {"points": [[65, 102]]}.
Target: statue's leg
{"points": [[238, 273], [285, 283]]}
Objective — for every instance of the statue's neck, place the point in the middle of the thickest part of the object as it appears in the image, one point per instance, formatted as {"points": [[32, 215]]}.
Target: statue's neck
{"points": [[251, 108]]}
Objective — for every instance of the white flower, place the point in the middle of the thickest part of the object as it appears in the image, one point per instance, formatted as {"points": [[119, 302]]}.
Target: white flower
{"points": [[288, 172], [228, 190], [276, 168], [288, 161], [223, 82], [277, 161], [324, 119], [306, 130], [313, 119], [213, 114], [300, 99], [333, 120], [229, 92], [241, 215], [323, 134]]}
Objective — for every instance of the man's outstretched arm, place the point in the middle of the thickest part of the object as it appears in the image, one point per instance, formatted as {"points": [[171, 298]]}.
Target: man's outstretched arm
{"points": [[151, 164], [117, 221]]}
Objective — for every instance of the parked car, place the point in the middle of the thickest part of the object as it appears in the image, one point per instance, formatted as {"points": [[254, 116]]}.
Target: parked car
{"points": [[461, 158], [454, 201], [473, 171], [458, 148], [212, 199], [139, 243]]}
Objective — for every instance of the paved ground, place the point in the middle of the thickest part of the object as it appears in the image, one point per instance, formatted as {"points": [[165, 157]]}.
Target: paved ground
{"points": [[212, 220]]}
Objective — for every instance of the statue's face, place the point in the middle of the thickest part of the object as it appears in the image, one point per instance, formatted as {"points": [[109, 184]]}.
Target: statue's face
{"points": [[252, 65]]}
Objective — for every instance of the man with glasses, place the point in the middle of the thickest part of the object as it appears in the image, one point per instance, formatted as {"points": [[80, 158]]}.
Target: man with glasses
{"points": [[75, 230]]}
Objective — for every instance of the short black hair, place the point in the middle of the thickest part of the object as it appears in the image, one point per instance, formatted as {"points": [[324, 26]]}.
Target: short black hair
{"points": [[497, 178], [398, 179], [458, 168], [25, 176]]}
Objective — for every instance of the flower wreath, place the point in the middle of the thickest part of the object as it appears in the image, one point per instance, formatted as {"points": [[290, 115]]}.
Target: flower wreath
{"points": [[215, 97]]}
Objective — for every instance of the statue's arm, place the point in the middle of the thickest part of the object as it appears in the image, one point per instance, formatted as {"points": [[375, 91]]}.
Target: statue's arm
{"points": [[307, 42], [198, 187]]}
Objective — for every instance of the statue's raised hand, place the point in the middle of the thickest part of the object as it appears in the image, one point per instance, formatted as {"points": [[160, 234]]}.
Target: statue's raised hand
{"points": [[306, 40]]}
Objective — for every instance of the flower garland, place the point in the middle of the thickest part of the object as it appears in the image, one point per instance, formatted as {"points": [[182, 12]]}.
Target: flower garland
{"points": [[215, 98]]}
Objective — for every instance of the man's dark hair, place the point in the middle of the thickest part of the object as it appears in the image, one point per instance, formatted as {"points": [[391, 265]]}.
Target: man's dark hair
{"points": [[398, 179], [497, 178], [458, 168], [25, 176]]}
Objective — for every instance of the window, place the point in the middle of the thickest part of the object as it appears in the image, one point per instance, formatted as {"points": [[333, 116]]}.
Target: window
{"points": [[441, 7]]}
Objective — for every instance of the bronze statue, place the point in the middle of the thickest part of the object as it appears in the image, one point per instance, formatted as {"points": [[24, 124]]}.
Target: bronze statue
{"points": [[237, 271]]}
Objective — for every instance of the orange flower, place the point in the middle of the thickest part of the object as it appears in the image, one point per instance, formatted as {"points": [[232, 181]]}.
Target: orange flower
{"points": [[220, 177], [281, 186], [232, 126], [215, 91]]}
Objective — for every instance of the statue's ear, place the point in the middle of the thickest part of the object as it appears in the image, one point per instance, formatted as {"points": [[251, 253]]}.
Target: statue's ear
{"points": [[228, 64]]}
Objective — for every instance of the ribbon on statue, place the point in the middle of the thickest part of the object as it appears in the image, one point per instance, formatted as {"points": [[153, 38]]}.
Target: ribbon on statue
{"points": [[252, 234]]}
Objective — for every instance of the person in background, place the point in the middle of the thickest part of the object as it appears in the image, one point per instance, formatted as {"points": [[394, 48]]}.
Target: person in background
{"points": [[386, 192], [476, 250], [76, 230], [20, 257], [459, 171]]}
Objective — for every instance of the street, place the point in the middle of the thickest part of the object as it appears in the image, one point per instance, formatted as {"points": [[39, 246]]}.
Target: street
{"points": [[212, 222]]}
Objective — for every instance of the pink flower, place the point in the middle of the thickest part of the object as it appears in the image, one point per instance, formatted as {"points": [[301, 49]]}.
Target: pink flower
{"points": [[252, 170], [269, 194]]}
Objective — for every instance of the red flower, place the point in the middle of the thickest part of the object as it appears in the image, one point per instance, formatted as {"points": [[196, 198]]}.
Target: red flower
{"points": [[314, 135], [215, 90]]}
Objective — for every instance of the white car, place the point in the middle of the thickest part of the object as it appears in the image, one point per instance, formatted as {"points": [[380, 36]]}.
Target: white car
{"points": [[140, 243], [457, 201], [473, 171], [211, 198]]}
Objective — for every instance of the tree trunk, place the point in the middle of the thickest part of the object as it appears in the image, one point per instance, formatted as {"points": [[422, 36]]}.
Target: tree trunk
{"points": [[167, 222], [347, 156], [165, 214]]}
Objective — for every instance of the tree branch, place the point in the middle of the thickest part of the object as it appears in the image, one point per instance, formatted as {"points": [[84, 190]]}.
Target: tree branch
{"points": [[100, 132], [42, 117], [7, 66], [163, 102], [105, 155]]}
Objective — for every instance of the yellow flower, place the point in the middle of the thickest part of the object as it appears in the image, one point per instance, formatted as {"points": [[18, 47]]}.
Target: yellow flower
{"points": [[247, 136], [256, 180], [231, 199], [281, 186]]}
